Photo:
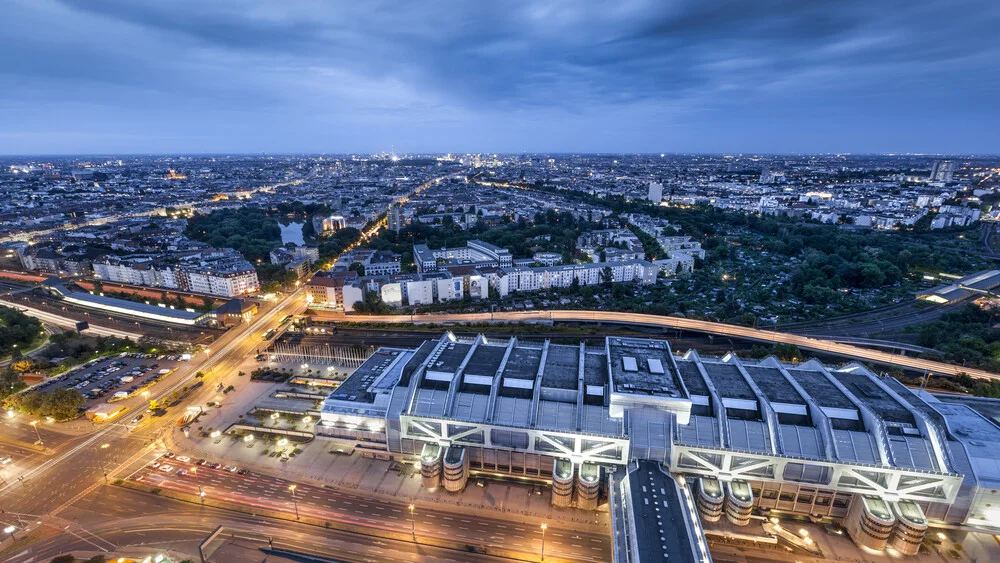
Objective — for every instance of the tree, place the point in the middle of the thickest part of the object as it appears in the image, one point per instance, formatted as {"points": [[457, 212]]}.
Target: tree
{"points": [[607, 276], [357, 267]]}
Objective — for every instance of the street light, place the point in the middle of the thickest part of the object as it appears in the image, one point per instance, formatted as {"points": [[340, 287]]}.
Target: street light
{"points": [[294, 502], [201, 493], [544, 527], [413, 524], [34, 424], [10, 530]]}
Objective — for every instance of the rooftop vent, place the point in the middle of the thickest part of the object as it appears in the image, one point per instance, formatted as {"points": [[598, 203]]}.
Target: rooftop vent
{"points": [[655, 366], [629, 364]]}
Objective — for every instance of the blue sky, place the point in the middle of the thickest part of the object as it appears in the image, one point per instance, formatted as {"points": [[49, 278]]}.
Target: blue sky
{"points": [[102, 76]]}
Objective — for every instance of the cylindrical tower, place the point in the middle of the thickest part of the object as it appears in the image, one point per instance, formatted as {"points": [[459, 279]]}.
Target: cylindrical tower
{"points": [[430, 466], [911, 525], [562, 482], [588, 486], [739, 502], [456, 469], [710, 499], [869, 522]]}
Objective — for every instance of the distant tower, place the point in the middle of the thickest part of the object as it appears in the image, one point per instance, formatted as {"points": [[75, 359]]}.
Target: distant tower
{"points": [[942, 171], [765, 176], [655, 192]]}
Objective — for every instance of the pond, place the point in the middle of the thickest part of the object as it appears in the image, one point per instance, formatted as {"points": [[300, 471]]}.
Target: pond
{"points": [[292, 232]]}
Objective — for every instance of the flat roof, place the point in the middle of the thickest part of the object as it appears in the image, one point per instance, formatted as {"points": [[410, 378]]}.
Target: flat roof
{"points": [[486, 360], [358, 386], [773, 385], [821, 389], [562, 364], [728, 380], [626, 353], [693, 380], [868, 392], [139, 309], [523, 363], [595, 369]]}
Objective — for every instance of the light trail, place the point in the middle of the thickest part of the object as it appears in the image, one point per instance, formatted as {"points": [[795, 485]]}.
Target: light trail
{"points": [[678, 323]]}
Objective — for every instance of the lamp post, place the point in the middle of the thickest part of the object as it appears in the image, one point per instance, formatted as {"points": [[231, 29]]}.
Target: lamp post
{"points": [[413, 524], [544, 527], [294, 502], [197, 480], [10, 530], [34, 424]]}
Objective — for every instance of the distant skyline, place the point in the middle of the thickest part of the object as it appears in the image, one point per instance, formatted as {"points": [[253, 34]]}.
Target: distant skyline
{"points": [[774, 76]]}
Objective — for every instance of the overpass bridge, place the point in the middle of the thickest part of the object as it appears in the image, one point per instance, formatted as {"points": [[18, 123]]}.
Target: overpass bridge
{"points": [[851, 351]]}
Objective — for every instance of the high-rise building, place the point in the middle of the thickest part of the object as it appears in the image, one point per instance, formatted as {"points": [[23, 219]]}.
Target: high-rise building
{"points": [[394, 218], [942, 171], [655, 192]]}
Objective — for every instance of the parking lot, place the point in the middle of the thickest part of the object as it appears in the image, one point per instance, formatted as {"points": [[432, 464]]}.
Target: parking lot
{"points": [[116, 378]]}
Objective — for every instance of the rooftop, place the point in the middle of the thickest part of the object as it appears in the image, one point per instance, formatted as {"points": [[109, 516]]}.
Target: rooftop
{"points": [[358, 386], [773, 384], [642, 367], [728, 381], [821, 389], [868, 392]]}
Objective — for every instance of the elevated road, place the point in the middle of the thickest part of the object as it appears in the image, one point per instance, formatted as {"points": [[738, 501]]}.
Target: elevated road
{"points": [[676, 323]]}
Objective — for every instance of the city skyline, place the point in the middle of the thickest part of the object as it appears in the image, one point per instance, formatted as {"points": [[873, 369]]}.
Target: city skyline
{"points": [[111, 77]]}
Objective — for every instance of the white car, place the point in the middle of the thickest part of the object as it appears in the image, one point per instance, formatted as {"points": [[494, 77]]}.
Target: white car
{"points": [[166, 468], [183, 458], [5, 460]]}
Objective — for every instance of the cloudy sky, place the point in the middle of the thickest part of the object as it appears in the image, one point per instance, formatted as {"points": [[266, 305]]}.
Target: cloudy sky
{"points": [[99, 76]]}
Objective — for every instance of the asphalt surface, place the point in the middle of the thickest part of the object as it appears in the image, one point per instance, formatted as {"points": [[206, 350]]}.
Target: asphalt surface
{"points": [[79, 463], [112, 516], [272, 493], [658, 517]]}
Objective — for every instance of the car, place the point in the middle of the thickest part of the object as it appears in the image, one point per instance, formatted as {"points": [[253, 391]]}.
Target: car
{"points": [[168, 455], [166, 468], [5, 460], [229, 468], [183, 458], [181, 472], [215, 465], [201, 461], [137, 419], [243, 472], [155, 464]]}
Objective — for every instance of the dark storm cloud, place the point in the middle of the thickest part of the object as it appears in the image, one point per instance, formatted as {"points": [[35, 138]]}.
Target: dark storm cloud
{"points": [[574, 75]]}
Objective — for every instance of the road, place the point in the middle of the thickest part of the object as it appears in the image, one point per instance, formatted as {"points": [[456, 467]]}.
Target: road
{"points": [[113, 516], [80, 463], [272, 493], [677, 323]]}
